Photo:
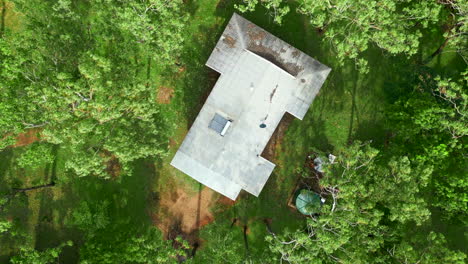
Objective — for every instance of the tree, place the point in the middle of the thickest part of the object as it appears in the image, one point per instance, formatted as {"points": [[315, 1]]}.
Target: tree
{"points": [[5, 226], [29, 255], [456, 34], [76, 71], [10, 120], [431, 123], [352, 26], [420, 248], [90, 218], [369, 195], [6, 196], [223, 244], [36, 155], [278, 8], [128, 247]]}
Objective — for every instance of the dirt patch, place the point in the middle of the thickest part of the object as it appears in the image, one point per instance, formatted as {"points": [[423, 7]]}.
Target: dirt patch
{"points": [[165, 95], [179, 212], [269, 152], [172, 143], [113, 167], [230, 41], [30, 136], [226, 201]]}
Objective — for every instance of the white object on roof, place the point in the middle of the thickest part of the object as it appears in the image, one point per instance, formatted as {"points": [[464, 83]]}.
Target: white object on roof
{"points": [[262, 77], [226, 127]]}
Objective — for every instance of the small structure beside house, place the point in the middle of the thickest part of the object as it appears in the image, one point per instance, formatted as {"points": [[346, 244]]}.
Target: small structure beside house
{"points": [[308, 202], [262, 77]]}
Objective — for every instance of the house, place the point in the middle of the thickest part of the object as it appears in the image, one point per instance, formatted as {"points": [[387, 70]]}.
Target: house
{"points": [[262, 77]]}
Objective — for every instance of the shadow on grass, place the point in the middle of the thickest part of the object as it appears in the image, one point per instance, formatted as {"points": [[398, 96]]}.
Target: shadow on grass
{"points": [[198, 80], [2, 17], [127, 209], [6, 157]]}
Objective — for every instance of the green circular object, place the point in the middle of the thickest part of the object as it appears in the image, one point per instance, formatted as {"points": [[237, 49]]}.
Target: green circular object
{"points": [[308, 202]]}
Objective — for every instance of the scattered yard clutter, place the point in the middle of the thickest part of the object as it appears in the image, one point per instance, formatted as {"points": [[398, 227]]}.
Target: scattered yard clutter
{"points": [[317, 163]]}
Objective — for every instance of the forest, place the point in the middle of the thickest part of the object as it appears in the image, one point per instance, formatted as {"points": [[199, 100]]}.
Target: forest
{"points": [[96, 96]]}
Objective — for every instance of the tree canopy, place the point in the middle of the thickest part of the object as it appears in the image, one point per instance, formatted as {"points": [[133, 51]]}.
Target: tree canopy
{"points": [[148, 247], [351, 27], [78, 70], [31, 256], [81, 78], [373, 200]]}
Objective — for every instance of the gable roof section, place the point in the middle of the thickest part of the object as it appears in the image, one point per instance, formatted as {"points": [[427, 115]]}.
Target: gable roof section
{"points": [[262, 77]]}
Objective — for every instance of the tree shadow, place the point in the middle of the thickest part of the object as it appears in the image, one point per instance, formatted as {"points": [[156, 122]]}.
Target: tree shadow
{"points": [[2, 17], [353, 113], [6, 159], [194, 236], [191, 6], [197, 80], [127, 200], [225, 8]]}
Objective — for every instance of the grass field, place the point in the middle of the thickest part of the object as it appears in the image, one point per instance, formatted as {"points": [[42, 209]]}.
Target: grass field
{"points": [[349, 107]]}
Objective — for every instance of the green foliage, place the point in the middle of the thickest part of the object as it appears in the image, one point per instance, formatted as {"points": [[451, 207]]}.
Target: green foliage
{"points": [[224, 244], [126, 247], [80, 72], [438, 105], [90, 218], [368, 195], [432, 124], [29, 255], [36, 155], [457, 35], [80, 77], [430, 249], [5, 226], [10, 124], [353, 26], [278, 8]]}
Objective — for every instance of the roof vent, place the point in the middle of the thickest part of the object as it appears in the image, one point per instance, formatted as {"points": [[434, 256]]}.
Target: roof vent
{"points": [[220, 124]]}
